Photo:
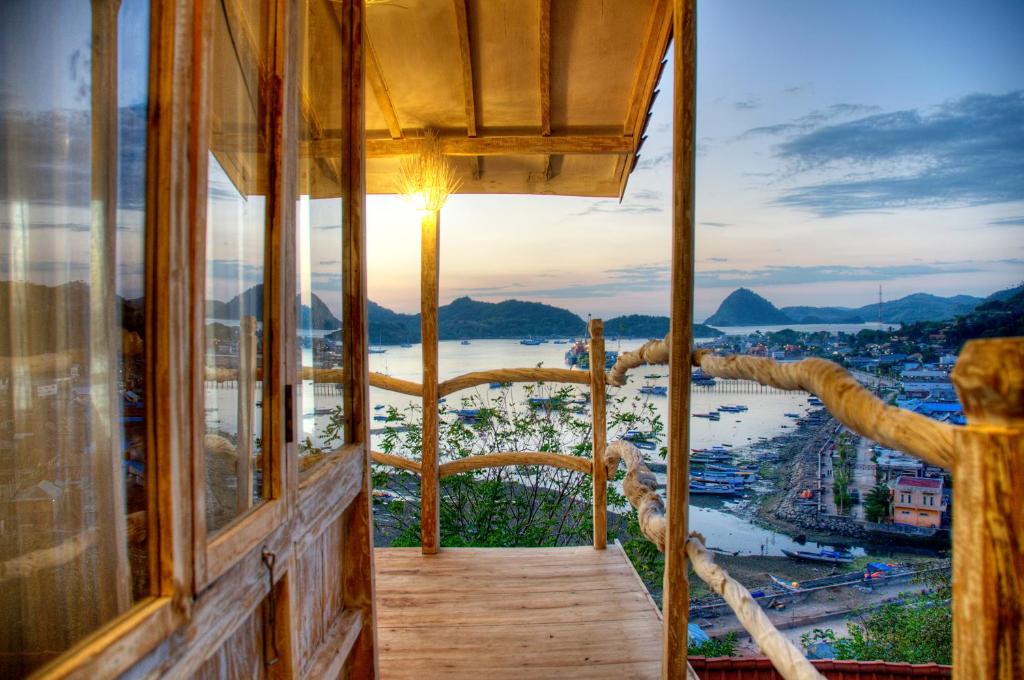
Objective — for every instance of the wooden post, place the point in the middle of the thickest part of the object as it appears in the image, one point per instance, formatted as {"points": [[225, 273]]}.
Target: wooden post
{"points": [[988, 516], [676, 594], [246, 408], [430, 521], [599, 477]]}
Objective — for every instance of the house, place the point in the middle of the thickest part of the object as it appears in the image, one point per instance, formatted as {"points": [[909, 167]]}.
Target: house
{"points": [[918, 501]]}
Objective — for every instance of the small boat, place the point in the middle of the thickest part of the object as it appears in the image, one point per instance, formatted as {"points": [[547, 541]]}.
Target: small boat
{"points": [[657, 390], [378, 407], [406, 345], [499, 385], [733, 408], [653, 376], [467, 415], [544, 402], [645, 444], [529, 341], [638, 436], [791, 415], [788, 586], [561, 342], [376, 350], [823, 556], [380, 419], [710, 416], [710, 477], [702, 489], [465, 342]]}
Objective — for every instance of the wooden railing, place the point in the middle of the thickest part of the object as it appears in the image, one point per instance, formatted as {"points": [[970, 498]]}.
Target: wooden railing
{"points": [[429, 483], [987, 460]]}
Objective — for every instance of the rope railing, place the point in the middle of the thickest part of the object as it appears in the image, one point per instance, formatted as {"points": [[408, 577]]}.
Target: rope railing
{"points": [[847, 400], [640, 488]]}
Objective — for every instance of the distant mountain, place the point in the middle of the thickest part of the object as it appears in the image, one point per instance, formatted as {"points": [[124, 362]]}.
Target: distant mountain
{"points": [[643, 326], [915, 307], [744, 307], [465, 318], [250, 303]]}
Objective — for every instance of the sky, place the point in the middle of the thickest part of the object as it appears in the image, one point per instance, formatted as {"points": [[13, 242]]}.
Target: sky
{"points": [[841, 146]]}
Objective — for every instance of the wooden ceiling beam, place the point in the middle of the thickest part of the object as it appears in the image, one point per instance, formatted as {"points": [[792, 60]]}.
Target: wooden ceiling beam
{"points": [[466, 59], [655, 44], [511, 145], [545, 67], [375, 75]]}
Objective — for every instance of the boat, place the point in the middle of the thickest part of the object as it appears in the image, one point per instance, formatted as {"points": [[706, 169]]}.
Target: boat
{"points": [[529, 341], [406, 345], [823, 556], [380, 419], [708, 476], [702, 489], [653, 376], [645, 444], [788, 586], [710, 416], [733, 408], [465, 342], [376, 350], [791, 415], [561, 342], [637, 435], [583, 360], [378, 407], [467, 415], [657, 390], [544, 402], [499, 385]]}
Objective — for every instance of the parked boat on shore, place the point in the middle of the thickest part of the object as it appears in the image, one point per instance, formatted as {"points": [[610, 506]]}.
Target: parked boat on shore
{"points": [[823, 556], [712, 489]]}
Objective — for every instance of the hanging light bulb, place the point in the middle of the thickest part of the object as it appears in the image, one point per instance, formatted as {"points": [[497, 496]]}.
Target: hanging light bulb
{"points": [[426, 180]]}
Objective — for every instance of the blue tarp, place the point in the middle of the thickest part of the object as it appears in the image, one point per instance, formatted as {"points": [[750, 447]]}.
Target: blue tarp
{"points": [[694, 635], [877, 566]]}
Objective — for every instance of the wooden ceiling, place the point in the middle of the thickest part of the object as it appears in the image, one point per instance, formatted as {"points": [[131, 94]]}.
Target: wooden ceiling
{"points": [[527, 96]]}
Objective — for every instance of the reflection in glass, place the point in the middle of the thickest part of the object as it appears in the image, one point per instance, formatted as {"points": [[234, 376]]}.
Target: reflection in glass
{"points": [[319, 233], [73, 497], [236, 471]]}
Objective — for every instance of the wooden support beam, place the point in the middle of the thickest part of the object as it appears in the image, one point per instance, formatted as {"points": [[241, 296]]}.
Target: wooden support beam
{"points": [[676, 593], [504, 145], [430, 517], [599, 433], [646, 79], [466, 60], [375, 76], [545, 67], [246, 411], [988, 525]]}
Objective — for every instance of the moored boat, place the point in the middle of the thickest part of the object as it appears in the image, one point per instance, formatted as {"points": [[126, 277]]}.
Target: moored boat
{"points": [[823, 556]]}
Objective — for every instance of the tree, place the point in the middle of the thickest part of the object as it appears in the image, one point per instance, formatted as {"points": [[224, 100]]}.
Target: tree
{"points": [[918, 629], [878, 503]]}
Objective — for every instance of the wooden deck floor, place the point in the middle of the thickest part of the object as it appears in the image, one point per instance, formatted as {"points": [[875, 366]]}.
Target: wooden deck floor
{"points": [[497, 613]]}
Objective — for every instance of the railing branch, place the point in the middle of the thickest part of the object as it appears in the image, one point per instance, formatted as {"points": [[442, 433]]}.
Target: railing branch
{"points": [[787, 659], [395, 461], [467, 380], [502, 459]]}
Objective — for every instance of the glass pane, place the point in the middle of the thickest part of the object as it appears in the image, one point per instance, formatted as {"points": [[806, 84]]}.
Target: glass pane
{"points": [[319, 233], [73, 496], [236, 468]]}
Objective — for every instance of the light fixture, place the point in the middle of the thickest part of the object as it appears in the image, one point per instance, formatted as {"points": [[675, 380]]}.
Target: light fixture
{"points": [[426, 180]]}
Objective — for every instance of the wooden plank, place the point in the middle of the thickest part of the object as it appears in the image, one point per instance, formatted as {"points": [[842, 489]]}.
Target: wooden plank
{"points": [[466, 62], [246, 410], [544, 77], [379, 85], [553, 612], [599, 433], [659, 30], [339, 641], [357, 530], [430, 519], [988, 563], [676, 593], [502, 145]]}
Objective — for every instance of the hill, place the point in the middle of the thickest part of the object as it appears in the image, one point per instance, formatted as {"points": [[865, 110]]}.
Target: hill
{"points": [[466, 318], [914, 307], [744, 307], [250, 303], [643, 326]]}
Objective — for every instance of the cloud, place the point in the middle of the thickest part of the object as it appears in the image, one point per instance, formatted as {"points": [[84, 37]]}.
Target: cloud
{"points": [[717, 224], [965, 152], [653, 162], [235, 270], [641, 202], [1016, 221], [811, 120], [748, 104], [792, 275]]}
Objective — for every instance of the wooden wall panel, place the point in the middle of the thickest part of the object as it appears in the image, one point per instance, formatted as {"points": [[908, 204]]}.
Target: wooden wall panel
{"points": [[241, 655], [309, 581]]}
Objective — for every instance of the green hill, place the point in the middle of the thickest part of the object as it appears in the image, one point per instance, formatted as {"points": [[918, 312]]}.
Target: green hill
{"points": [[915, 307], [744, 307], [643, 326]]}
